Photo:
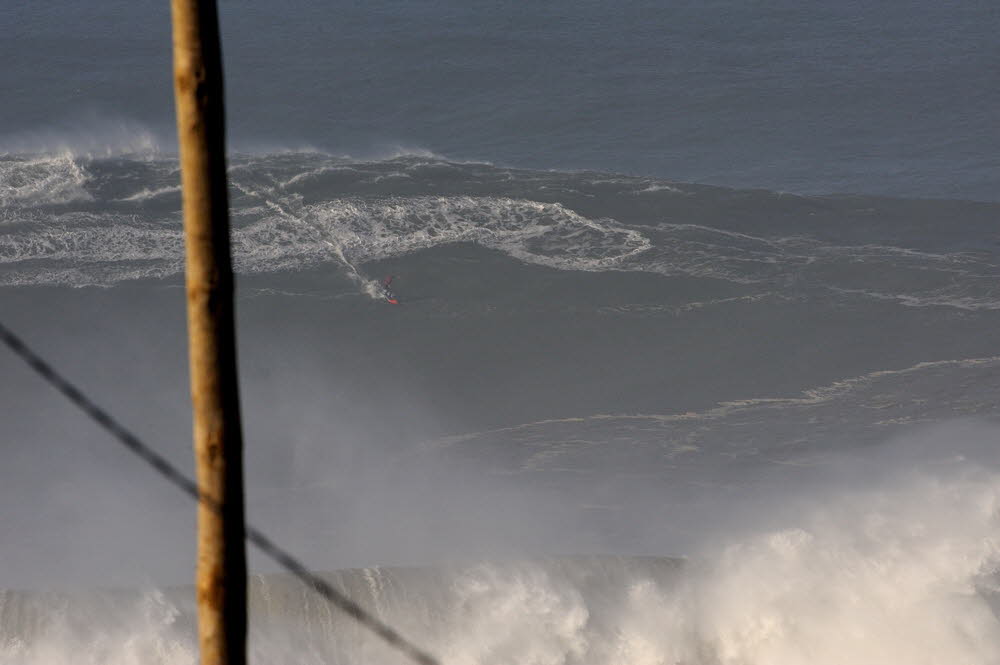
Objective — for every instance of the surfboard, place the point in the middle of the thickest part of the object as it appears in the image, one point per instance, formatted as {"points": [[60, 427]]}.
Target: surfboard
{"points": [[387, 293]]}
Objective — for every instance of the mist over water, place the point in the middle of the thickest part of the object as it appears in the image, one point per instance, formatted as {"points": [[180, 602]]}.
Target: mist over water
{"points": [[875, 564], [628, 410], [794, 397]]}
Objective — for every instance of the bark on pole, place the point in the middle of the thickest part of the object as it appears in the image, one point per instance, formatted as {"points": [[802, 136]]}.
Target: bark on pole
{"points": [[218, 445]]}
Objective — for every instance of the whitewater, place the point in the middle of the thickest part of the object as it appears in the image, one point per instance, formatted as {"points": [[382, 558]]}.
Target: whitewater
{"points": [[695, 362], [842, 509], [905, 571]]}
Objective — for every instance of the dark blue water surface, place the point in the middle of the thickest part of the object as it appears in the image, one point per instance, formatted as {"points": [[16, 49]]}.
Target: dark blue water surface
{"points": [[893, 97]]}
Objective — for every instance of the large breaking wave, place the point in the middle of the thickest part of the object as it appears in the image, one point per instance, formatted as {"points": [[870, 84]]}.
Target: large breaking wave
{"points": [[677, 364], [83, 221], [904, 571]]}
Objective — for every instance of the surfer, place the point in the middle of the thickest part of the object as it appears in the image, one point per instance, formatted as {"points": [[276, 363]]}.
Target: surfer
{"points": [[387, 290]]}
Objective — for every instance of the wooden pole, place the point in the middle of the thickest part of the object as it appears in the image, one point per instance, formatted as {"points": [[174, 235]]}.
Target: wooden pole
{"points": [[218, 445]]}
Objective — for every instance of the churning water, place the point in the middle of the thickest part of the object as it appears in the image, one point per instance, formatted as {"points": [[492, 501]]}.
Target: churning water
{"points": [[628, 410]]}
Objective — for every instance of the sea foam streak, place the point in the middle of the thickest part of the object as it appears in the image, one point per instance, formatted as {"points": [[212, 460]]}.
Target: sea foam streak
{"points": [[763, 430], [294, 211], [89, 246]]}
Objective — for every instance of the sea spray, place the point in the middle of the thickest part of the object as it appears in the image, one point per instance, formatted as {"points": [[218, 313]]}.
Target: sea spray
{"points": [[902, 571]]}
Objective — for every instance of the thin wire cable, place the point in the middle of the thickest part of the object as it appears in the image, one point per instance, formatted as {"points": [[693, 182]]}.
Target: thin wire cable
{"points": [[253, 535]]}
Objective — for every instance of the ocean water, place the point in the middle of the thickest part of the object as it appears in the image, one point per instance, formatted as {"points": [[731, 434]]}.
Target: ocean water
{"points": [[892, 98], [696, 359]]}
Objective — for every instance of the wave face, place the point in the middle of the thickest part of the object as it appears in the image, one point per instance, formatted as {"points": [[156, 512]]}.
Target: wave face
{"points": [[797, 394], [84, 221], [905, 572]]}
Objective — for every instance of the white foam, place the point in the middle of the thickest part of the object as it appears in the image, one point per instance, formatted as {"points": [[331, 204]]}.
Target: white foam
{"points": [[543, 233], [875, 576], [314, 173], [896, 569], [955, 296], [881, 398], [922, 279], [659, 187], [148, 634], [89, 238], [656, 309], [276, 229], [42, 181], [146, 194]]}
